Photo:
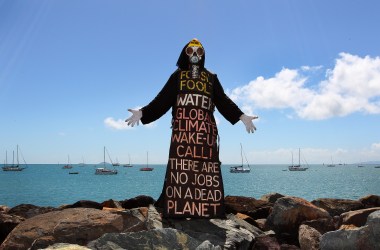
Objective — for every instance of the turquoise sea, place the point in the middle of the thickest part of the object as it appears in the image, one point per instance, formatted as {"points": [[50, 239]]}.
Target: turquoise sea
{"points": [[50, 185]]}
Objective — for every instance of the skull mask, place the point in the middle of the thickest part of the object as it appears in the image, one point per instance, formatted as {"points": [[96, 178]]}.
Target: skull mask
{"points": [[195, 52]]}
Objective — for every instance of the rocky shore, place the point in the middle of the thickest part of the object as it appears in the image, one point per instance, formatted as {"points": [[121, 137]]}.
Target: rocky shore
{"points": [[275, 221]]}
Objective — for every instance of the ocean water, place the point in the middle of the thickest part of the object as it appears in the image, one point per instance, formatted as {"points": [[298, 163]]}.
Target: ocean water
{"points": [[50, 185]]}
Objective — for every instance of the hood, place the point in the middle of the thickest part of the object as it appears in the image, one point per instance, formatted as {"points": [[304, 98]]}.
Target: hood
{"points": [[183, 60]]}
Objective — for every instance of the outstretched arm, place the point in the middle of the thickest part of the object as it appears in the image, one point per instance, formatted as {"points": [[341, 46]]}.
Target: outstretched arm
{"points": [[158, 106]]}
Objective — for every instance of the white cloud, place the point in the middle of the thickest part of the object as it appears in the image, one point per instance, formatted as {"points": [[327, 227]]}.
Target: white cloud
{"points": [[309, 68], [353, 85], [282, 91], [116, 124], [375, 146]]}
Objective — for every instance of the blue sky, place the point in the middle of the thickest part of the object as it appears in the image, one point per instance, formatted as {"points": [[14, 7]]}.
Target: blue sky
{"points": [[69, 70]]}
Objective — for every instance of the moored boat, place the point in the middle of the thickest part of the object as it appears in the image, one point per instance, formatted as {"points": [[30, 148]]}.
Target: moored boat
{"points": [[128, 165], [104, 170], [68, 165], [332, 164], [14, 167], [241, 168], [297, 167], [147, 168]]}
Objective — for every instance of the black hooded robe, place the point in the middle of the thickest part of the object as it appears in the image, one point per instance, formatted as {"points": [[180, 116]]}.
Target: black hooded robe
{"points": [[193, 184]]}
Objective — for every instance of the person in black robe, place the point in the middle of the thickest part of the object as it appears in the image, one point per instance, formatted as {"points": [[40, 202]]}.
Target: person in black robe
{"points": [[193, 184]]}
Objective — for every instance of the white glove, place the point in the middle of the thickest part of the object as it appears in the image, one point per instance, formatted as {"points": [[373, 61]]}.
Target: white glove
{"points": [[135, 118], [247, 120]]}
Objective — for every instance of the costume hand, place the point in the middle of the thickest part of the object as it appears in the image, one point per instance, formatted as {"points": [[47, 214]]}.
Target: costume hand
{"points": [[135, 118], [247, 120]]}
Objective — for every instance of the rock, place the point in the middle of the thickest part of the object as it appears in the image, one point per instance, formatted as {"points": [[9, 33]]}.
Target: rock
{"points": [[138, 201], [256, 209], [266, 243], [85, 204], [220, 232], [370, 201], [28, 210], [357, 218], [206, 245], [165, 238], [74, 225], [153, 220], [233, 233], [142, 218], [289, 213], [242, 224], [322, 225], [366, 237], [111, 204], [289, 247], [4, 209], [308, 238], [271, 197], [260, 223], [248, 219], [337, 206], [7, 223], [66, 246]]}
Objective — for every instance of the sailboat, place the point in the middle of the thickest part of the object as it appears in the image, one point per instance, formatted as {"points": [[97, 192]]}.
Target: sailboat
{"points": [[240, 168], [116, 164], [129, 164], [361, 165], [147, 164], [68, 165], [104, 170], [332, 163], [82, 164], [297, 167], [13, 167]]}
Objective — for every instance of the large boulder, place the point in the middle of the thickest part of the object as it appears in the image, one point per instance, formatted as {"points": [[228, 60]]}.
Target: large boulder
{"points": [[271, 197], [138, 201], [164, 238], [366, 237], [256, 209], [73, 225], [28, 210], [337, 206], [308, 238], [370, 201], [357, 218], [322, 225], [289, 213], [226, 233], [84, 204], [111, 204], [7, 223], [230, 233], [266, 242]]}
